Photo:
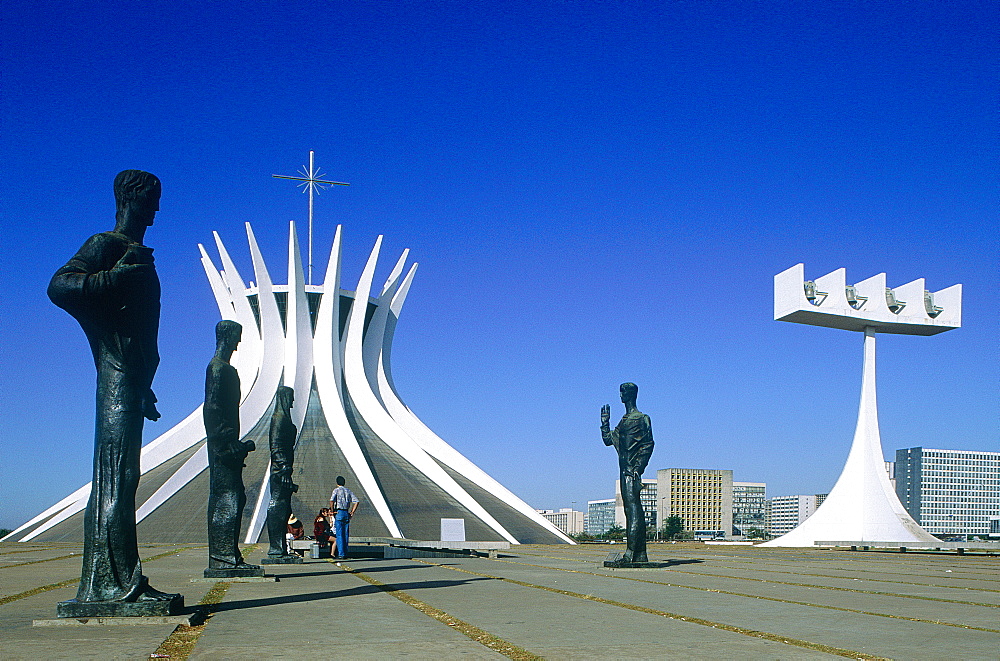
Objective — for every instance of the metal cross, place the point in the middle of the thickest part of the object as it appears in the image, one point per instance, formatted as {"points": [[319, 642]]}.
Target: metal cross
{"points": [[311, 182]]}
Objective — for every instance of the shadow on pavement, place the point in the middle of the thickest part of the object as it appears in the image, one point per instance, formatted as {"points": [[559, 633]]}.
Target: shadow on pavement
{"points": [[336, 594]]}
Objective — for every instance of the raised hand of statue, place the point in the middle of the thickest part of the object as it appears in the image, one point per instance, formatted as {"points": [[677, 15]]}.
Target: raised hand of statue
{"points": [[605, 415], [149, 407]]}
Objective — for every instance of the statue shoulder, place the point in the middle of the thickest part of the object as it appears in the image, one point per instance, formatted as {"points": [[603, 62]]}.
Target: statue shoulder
{"points": [[109, 245]]}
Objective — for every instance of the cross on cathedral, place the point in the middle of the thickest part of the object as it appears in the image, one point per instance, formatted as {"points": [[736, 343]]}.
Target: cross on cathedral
{"points": [[311, 182]]}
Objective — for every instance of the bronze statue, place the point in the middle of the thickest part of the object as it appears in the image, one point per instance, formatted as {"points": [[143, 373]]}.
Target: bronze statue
{"points": [[633, 439], [226, 453], [279, 509], [111, 288]]}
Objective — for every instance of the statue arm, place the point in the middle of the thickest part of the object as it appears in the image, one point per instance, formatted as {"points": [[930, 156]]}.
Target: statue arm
{"points": [[85, 286]]}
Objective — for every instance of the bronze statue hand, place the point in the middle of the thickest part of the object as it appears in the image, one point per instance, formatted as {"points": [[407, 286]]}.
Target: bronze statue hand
{"points": [[605, 415], [149, 407]]}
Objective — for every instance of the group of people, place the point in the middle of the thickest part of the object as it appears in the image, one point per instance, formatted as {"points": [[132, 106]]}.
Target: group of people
{"points": [[331, 522]]}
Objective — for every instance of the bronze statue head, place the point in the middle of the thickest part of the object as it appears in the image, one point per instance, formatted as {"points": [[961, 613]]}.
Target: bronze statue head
{"points": [[629, 392], [137, 197], [227, 335], [285, 398]]}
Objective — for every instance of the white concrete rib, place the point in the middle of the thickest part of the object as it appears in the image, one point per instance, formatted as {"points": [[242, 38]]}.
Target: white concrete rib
{"points": [[378, 418], [273, 338], [328, 362], [79, 496], [247, 357], [382, 383], [191, 469]]}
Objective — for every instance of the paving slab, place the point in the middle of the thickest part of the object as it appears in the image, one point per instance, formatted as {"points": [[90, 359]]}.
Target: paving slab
{"points": [[557, 626], [323, 611]]}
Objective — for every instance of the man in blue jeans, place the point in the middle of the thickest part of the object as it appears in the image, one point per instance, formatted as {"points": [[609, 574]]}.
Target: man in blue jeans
{"points": [[344, 504]]}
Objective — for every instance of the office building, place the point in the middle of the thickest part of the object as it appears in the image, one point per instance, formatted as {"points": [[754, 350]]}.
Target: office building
{"points": [[566, 519], [949, 492], [787, 512], [701, 497], [600, 516], [749, 500]]}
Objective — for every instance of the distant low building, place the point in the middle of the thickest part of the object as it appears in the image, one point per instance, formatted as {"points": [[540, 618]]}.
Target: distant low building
{"points": [[749, 500], [600, 516], [949, 492], [566, 519], [701, 497]]}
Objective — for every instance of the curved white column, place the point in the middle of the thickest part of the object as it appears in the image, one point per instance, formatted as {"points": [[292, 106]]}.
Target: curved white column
{"points": [[327, 352], [380, 421], [862, 506], [81, 495], [247, 357], [392, 301], [219, 288], [191, 469], [298, 333]]}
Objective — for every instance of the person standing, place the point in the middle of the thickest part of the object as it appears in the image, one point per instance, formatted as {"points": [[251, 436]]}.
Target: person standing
{"points": [[344, 504]]}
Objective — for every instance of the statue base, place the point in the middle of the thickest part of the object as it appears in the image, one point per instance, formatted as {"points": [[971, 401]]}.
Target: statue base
{"points": [[235, 572], [291, 559], [144, 608], [621, 564], [617, 561]]}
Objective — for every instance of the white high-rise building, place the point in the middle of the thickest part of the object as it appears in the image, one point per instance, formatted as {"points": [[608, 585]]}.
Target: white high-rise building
{"points": [[787, 512], [949, 492], [566, 519]]}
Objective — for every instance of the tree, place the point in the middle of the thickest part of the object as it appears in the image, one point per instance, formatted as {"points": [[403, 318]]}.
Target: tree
{"points": [[5, 531], [583, 537], [672, 527], [756, 533], [615, 532]]}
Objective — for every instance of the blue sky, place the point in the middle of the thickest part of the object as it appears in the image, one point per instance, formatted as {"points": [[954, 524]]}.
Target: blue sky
{"points": [[596, 192]]}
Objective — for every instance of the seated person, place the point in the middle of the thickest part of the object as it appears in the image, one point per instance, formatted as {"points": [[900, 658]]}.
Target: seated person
{"points": [[295, 529], [322, 530]]}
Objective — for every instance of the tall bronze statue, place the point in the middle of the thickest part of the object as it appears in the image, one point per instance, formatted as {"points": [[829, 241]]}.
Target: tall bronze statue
{"points": [[633, 439], [226, 453], [279, 509], [111, 288]]}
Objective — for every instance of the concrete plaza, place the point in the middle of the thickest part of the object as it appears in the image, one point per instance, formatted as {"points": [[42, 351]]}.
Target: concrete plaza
{"points": [[554, 602]]}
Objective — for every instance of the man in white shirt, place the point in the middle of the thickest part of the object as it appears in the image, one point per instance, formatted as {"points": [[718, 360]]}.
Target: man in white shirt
{"points": [[344, 504]]}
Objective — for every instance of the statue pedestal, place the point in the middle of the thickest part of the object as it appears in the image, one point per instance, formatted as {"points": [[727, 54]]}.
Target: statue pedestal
{"points": [[620, 564], [290, 559], [144, 608], [617, 561], [235, 572]]}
